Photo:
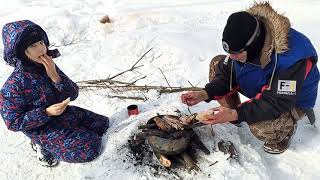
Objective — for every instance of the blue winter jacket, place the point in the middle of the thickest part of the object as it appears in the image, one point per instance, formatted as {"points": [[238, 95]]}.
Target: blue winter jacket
{"points": [[251, 78]]}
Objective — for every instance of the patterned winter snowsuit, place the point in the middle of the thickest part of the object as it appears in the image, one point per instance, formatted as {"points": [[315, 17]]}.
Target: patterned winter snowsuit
{"points": [[75, 135]]}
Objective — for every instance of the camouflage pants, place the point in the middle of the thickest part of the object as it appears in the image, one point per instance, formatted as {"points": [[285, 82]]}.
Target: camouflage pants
{"points": [[271, 131]]}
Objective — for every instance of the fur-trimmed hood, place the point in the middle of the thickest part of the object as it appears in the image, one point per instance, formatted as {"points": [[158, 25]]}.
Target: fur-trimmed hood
{"points": [[277, 30]]}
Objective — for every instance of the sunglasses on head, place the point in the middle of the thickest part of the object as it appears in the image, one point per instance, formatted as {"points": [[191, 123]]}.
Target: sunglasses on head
{"points": [[254, 36]]}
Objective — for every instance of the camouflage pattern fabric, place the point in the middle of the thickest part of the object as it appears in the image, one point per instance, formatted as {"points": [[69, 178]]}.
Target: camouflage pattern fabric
{"points": [[275, 130], [231, 101]]}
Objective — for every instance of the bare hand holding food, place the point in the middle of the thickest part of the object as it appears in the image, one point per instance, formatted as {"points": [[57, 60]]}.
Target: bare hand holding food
{"points": [[218, 115], [204, 115], [57, 109]]}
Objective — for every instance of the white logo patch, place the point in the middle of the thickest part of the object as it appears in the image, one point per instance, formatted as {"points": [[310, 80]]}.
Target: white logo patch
{"points": [[287, 87]]}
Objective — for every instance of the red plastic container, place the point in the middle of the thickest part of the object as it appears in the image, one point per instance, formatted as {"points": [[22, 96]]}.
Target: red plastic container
{"points": [[133, 110]]}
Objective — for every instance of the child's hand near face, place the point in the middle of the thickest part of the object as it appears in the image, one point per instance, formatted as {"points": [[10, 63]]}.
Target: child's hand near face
{"points": [[50, 68]]}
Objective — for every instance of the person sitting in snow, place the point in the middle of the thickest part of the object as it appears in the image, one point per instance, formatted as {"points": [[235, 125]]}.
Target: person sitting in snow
{"points": [[34, 100], [272, 64]]}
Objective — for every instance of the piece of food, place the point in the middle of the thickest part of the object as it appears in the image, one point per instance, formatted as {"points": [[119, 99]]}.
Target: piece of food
{"points": [[186, 120], [203, 116], [67, 101]]}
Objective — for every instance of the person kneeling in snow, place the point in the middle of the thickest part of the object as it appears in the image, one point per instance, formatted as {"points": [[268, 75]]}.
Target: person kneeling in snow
{"points": [[269, 62], [35, 100]]}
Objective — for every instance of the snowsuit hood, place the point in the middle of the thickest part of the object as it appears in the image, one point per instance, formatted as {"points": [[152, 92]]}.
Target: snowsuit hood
{"points": [[13, 36]]}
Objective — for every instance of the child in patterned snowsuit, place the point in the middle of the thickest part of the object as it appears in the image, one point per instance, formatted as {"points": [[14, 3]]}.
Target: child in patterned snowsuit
{"points": [[32, 99]]}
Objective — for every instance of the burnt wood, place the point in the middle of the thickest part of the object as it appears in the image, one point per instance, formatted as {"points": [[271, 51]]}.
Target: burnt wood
{"points": [[147, 126], [168, 146], [198, 143], [163, 160], [185, 160], [163, 125]]}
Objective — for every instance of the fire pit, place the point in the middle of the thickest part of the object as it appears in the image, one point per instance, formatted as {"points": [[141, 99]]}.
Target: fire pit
{"points": [[171, 139]]}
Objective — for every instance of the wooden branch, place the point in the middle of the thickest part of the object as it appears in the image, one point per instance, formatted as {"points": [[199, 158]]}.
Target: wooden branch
{"points": [[189, 110], [141, 57], [165, 78], [190, 84], [161, 89], [98, 81], [163, 125], [110, 79], [190, 164], [132, 83], [186, 161], [175, 123], [186, 120], [164, 161], [175, 90], [213, 163], [127, 97], [133, 67], [147, 126], [109, 87], [196, 140]]}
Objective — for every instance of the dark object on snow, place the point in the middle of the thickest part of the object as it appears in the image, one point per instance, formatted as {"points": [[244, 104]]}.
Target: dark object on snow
{"points": [[133, 110], [195, 140], [169, 142], [310, 115], [169, 146], [105, 19], [228, 148]]}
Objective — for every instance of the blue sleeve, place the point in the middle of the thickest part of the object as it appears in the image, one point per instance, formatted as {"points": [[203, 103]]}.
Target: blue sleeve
{"points": [[66, 88], [13, 109]]}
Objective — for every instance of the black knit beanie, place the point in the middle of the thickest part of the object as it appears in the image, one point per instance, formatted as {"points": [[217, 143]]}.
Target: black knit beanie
{"points": [[254, 50], [239, 29], [28, 37]]}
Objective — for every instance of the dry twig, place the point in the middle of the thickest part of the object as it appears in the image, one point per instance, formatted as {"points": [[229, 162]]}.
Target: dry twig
{"points": [[165, 77]]}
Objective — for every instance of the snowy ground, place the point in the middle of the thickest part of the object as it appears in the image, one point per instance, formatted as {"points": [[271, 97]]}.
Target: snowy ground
{"points": [[185, 35]]}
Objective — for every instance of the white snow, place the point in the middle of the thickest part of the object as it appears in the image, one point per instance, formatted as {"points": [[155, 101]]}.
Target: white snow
{"points": [[185, 35]]}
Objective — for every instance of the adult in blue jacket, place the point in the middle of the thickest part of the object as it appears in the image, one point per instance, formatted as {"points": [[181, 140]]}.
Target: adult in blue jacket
{"points": [[272, 64], [35, 100]]}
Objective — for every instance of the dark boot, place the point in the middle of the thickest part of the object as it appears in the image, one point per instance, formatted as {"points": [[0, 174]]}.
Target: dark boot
{"points": [[44, 157], [282, 145]]}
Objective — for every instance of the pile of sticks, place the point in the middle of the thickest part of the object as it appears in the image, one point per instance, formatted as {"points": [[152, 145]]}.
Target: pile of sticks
{"points": [[170, 138]]}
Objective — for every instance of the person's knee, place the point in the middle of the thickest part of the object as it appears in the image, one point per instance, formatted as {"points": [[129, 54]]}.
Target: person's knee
{"points": [[89, 151], [272, 131], [262, 133], [102, 126], [84, 150], [106, 122]]}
